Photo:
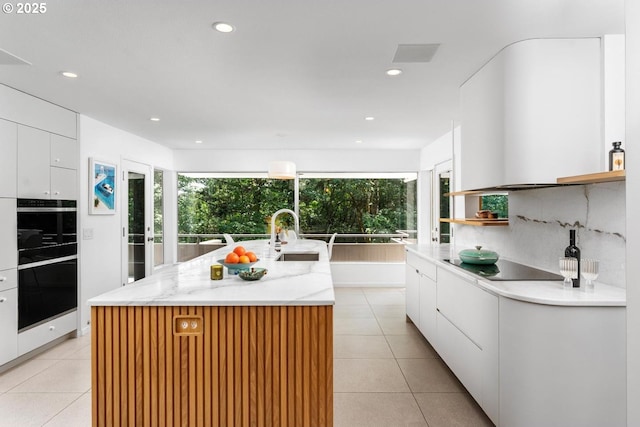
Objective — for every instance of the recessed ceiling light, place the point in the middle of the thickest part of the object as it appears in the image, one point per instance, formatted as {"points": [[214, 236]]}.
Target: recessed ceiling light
{"points": [[223, 27], [198, 142], [369, 118], [154, 119], [358, 141], [69, 74], [394, 72]]}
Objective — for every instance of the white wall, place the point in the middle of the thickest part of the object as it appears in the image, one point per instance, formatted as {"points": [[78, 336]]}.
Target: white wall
{"points": [[100, 257], [437, 152], [305, 160], [633, 208], [539, 221]]}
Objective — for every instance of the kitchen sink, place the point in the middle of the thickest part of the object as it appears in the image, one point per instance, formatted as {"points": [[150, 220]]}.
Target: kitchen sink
{"points": [[299, 256]]}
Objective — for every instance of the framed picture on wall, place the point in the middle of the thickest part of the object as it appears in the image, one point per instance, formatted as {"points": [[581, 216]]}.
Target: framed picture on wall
{"points": [[102, 188]]}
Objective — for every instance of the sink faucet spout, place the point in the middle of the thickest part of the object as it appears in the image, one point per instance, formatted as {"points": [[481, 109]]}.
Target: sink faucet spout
{"points": [[273, 224]]}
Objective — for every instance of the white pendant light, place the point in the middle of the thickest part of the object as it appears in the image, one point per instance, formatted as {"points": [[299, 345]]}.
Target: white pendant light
{"points": [[282, 170]]}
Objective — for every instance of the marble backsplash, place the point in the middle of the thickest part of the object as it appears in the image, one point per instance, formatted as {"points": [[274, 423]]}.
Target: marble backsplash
{"points": [[539, 224]]}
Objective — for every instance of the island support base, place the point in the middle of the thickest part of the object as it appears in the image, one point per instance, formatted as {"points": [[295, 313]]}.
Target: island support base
{"points": [[248, 366]]}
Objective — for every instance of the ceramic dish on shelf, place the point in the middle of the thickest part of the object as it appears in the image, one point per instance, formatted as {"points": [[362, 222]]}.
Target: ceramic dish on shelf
{"points": [[252, 274]]}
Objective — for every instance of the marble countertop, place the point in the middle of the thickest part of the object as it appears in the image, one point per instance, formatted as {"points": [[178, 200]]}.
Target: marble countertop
{"points": [[539, 292], [189, 283]]}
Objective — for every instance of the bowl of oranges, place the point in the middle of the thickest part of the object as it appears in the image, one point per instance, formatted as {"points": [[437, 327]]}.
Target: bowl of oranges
{"points": [[238, 259]]}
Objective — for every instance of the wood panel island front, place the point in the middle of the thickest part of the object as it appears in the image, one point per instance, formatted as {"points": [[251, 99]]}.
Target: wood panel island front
{"points": [[178, 349]]}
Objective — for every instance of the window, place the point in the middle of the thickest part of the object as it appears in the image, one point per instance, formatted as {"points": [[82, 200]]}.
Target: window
{"points": [[498, 203], [358, 204], [158, 217]]}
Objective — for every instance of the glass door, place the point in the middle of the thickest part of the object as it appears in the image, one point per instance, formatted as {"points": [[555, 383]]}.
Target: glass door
{"points": [[136, 231], [441, 230]]}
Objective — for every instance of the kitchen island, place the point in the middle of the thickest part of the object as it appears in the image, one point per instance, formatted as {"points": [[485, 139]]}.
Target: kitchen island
{"points": [[179, 349]]}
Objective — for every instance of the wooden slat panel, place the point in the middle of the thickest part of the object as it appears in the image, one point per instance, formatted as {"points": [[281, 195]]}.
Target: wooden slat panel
{"points": [[291, 366], [168, 321], [306, 367], [275, 367], [283, 366], [199, 368], [131, 365], [237, 362], [215, 356], [322, 367], [298, 357], [153, 354], [251, 366], [124, 390], [245, 366], [222, 373], [313, 354], [230, 368]]}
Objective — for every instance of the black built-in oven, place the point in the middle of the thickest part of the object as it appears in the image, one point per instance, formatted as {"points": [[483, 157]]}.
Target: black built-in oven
{"points": [[47, 260]]}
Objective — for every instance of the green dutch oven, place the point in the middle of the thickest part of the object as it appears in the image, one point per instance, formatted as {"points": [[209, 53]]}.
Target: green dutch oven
{"points": [[478, 256]]}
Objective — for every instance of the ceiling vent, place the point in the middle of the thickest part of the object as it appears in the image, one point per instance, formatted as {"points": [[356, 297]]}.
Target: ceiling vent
{"points": [[7, 58], [415, 52]]}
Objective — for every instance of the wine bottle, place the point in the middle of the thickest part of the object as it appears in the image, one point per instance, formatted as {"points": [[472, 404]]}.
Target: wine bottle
{"points": [[616, 157], [572, 251]]}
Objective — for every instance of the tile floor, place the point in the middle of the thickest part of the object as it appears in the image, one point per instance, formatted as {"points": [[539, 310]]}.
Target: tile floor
{"points": [[386, 374]]}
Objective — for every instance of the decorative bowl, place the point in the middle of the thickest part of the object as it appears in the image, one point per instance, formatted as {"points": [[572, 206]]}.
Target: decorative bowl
{"points": [[236, 268], [478, 256], [252, 274]]}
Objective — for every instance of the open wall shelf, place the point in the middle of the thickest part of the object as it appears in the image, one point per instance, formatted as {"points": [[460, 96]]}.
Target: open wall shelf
{"points": [[478, 222]]}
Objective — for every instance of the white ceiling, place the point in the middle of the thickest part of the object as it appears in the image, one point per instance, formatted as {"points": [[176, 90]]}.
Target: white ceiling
{"points": [[296, 74]]}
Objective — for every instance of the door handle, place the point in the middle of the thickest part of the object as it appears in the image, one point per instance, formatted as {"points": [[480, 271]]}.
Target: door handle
{"points": [[149, 239]]}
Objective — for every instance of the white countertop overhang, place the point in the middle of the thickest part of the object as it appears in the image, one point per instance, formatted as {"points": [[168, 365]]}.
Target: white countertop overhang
{"points": [[189, 283]]}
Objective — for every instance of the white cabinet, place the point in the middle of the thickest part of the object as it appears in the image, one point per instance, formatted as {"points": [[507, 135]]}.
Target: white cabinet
{"points": [[64, 152], [46, 332], [421, 295], [46, 165], [562, 366], [468, 336], [8, 234], [8, 158], [8, 324], [412, 292], [536, 104]]}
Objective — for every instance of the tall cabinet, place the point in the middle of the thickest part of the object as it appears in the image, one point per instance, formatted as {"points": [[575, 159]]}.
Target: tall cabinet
{"points": [[39, 160]]}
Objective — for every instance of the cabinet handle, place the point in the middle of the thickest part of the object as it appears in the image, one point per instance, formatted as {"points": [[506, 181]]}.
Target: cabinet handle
{"points": [[2, 300], [46, 193], [57, 160], [52, 328], [56, 193], [417, 271], [2, 279]]}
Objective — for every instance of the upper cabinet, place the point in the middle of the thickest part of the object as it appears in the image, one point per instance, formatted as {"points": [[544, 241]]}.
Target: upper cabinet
{"points": [[40, 155], [533, 113], [8, 148]]}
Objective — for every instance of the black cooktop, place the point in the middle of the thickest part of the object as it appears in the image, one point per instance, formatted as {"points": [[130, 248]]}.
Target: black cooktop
{"points": [[505, 270]]}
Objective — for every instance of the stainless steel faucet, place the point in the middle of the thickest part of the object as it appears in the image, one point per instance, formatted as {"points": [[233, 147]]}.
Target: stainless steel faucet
{"points": [[273, 225]]}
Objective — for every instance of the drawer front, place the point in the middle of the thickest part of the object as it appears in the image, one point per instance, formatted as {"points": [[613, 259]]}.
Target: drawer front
{"points": [[461, 355], [425, 267], [47, 332], [8, 279], [469, 308], [8, 325]]}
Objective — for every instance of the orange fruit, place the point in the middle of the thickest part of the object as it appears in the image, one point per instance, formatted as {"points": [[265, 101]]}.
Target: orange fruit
{"points": [[239, 250], [252, 256], [232, 258], [244, 259]]}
